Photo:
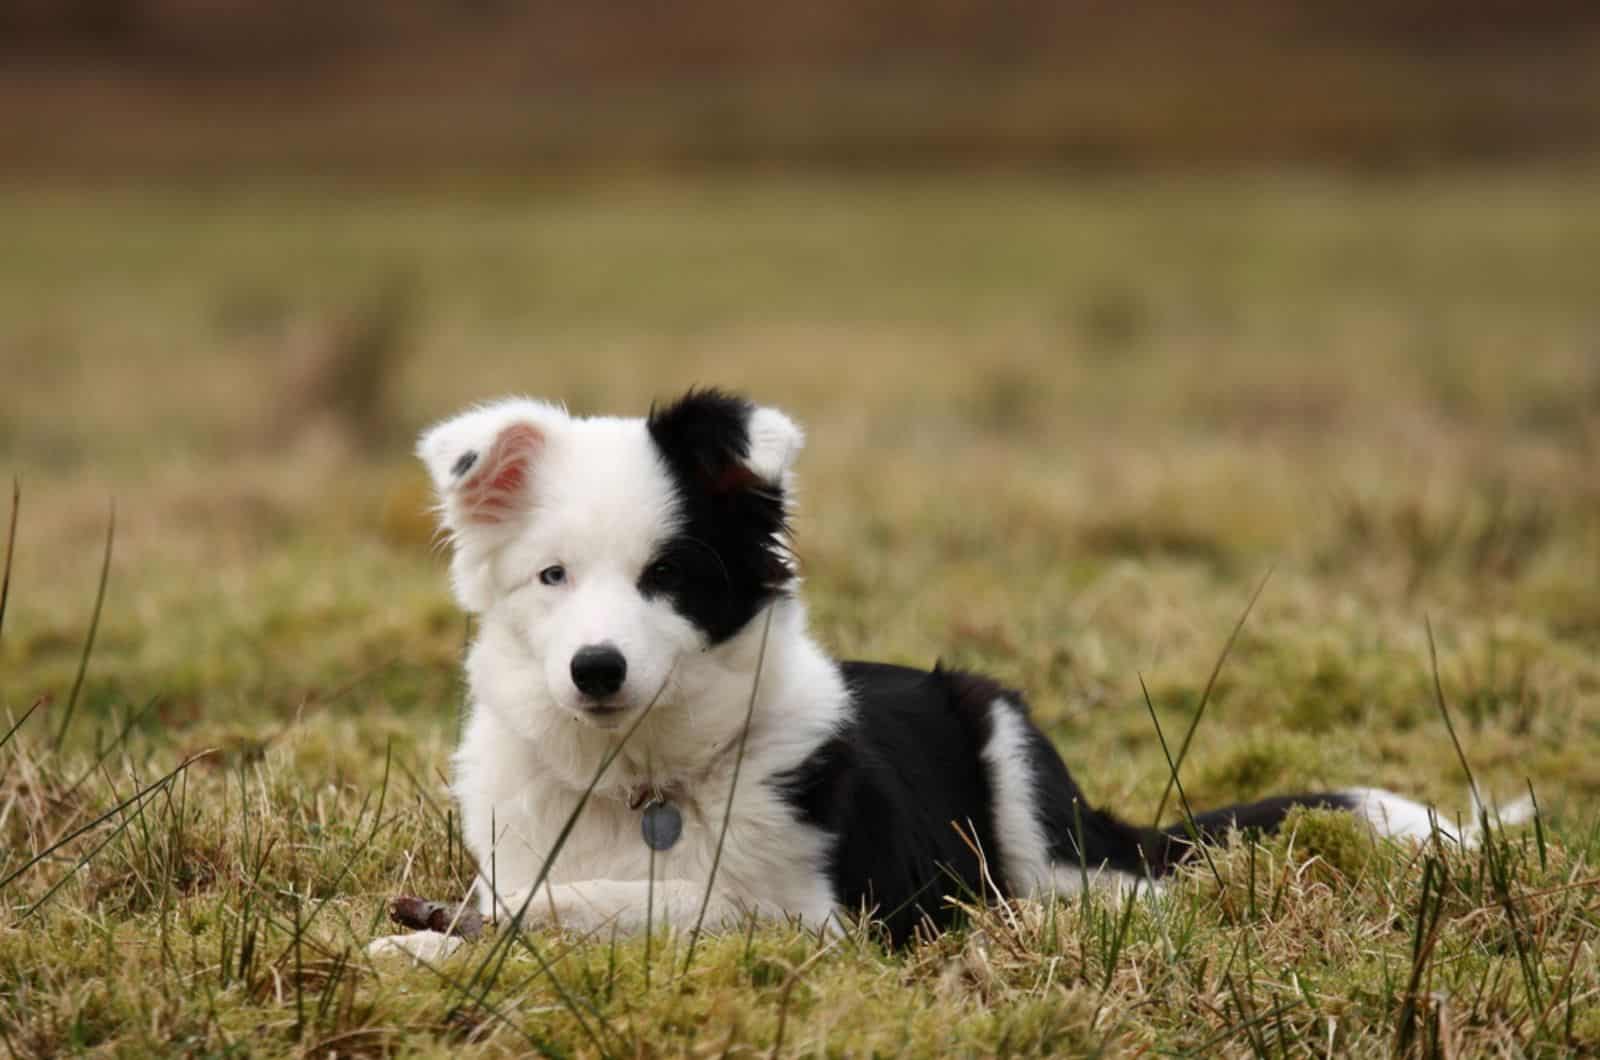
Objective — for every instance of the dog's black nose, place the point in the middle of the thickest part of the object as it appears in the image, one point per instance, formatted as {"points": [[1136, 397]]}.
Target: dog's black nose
{"points": [[598, 670]]}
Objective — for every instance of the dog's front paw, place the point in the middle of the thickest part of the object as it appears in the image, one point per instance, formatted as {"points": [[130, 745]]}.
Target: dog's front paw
{"points": [[581, 908], [423, 947]]}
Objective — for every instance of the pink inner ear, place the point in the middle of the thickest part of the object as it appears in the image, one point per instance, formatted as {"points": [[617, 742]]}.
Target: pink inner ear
{"points": [[499, 489]]}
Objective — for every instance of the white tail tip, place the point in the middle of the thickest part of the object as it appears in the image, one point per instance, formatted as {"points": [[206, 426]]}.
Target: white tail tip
{"points": [[1398, 817]]}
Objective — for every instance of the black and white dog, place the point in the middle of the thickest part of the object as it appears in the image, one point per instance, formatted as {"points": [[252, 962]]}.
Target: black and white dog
{"points": [[628, 567]]}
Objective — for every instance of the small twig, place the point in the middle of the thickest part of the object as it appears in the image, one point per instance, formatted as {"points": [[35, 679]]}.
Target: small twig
{"points": [[460, 920]]}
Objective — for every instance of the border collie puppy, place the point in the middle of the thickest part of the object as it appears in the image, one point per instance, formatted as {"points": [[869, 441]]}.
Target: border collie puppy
{"points": [[637, 618]]}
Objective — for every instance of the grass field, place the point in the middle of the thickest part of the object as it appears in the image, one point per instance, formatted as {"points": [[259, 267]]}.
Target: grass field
{"points": [[1059, 430]]}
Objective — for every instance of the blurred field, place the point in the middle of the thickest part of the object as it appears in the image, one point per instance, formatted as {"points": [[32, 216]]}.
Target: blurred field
{"points": [[1060, 429], [380, 88]]}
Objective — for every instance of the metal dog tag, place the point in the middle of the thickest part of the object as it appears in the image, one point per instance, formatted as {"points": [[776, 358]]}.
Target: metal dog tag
{"points": [[661, 824]]}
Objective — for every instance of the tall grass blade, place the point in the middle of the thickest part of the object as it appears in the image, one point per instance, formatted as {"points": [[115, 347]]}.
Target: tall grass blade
{"points": [[1538, 828], [11, 544], [1205, 696], [1444, 712], [20, 721], [733, 785], [649, 918], [1129, 902], [94, 626], [1496, 867], [1183, 799], [1430, 905]]}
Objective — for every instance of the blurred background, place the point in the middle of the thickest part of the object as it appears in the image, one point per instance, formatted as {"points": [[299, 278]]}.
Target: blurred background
{"points": [[380, 88], [1095, 312]]}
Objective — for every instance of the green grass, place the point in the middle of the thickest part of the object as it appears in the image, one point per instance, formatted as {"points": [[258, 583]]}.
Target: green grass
{"points": [[1059, 430]]}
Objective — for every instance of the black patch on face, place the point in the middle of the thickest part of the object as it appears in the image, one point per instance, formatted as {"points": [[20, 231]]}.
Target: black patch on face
{"points": [[727, 558], [464, 463]]}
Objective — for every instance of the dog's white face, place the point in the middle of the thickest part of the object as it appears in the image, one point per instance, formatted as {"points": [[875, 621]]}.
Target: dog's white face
{"points": [[600, 554]]}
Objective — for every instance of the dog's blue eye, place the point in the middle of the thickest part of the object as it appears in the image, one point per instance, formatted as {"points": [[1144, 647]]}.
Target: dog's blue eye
{"points": [[554, 575]]}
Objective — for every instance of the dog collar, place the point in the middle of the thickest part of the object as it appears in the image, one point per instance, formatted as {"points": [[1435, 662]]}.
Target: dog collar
{"points": [[660, 820], [641, 795]]}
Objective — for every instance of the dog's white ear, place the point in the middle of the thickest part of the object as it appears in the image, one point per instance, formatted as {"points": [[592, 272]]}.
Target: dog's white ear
{"points": [[775, 441], [485, 469], [484, 463]]}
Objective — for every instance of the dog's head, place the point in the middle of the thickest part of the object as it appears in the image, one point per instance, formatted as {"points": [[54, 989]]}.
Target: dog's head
{"points": [[600, 552]]}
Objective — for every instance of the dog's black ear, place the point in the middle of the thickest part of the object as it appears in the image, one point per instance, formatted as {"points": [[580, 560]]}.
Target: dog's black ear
{"points": [[724, 444], [729, 462]]}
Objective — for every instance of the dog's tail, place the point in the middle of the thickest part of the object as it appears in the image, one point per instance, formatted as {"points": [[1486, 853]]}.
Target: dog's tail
{"points": [[1391, 816], [1082, 838]]}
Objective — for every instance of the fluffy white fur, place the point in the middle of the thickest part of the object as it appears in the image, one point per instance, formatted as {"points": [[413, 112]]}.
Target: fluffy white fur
{"points": [[1397, 817], [596, 499], [1027, 858], [527, 770]]}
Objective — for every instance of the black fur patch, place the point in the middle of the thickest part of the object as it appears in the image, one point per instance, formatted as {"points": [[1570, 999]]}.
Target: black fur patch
{"points": [[894, 783], [727, 558], [893, 787]]}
